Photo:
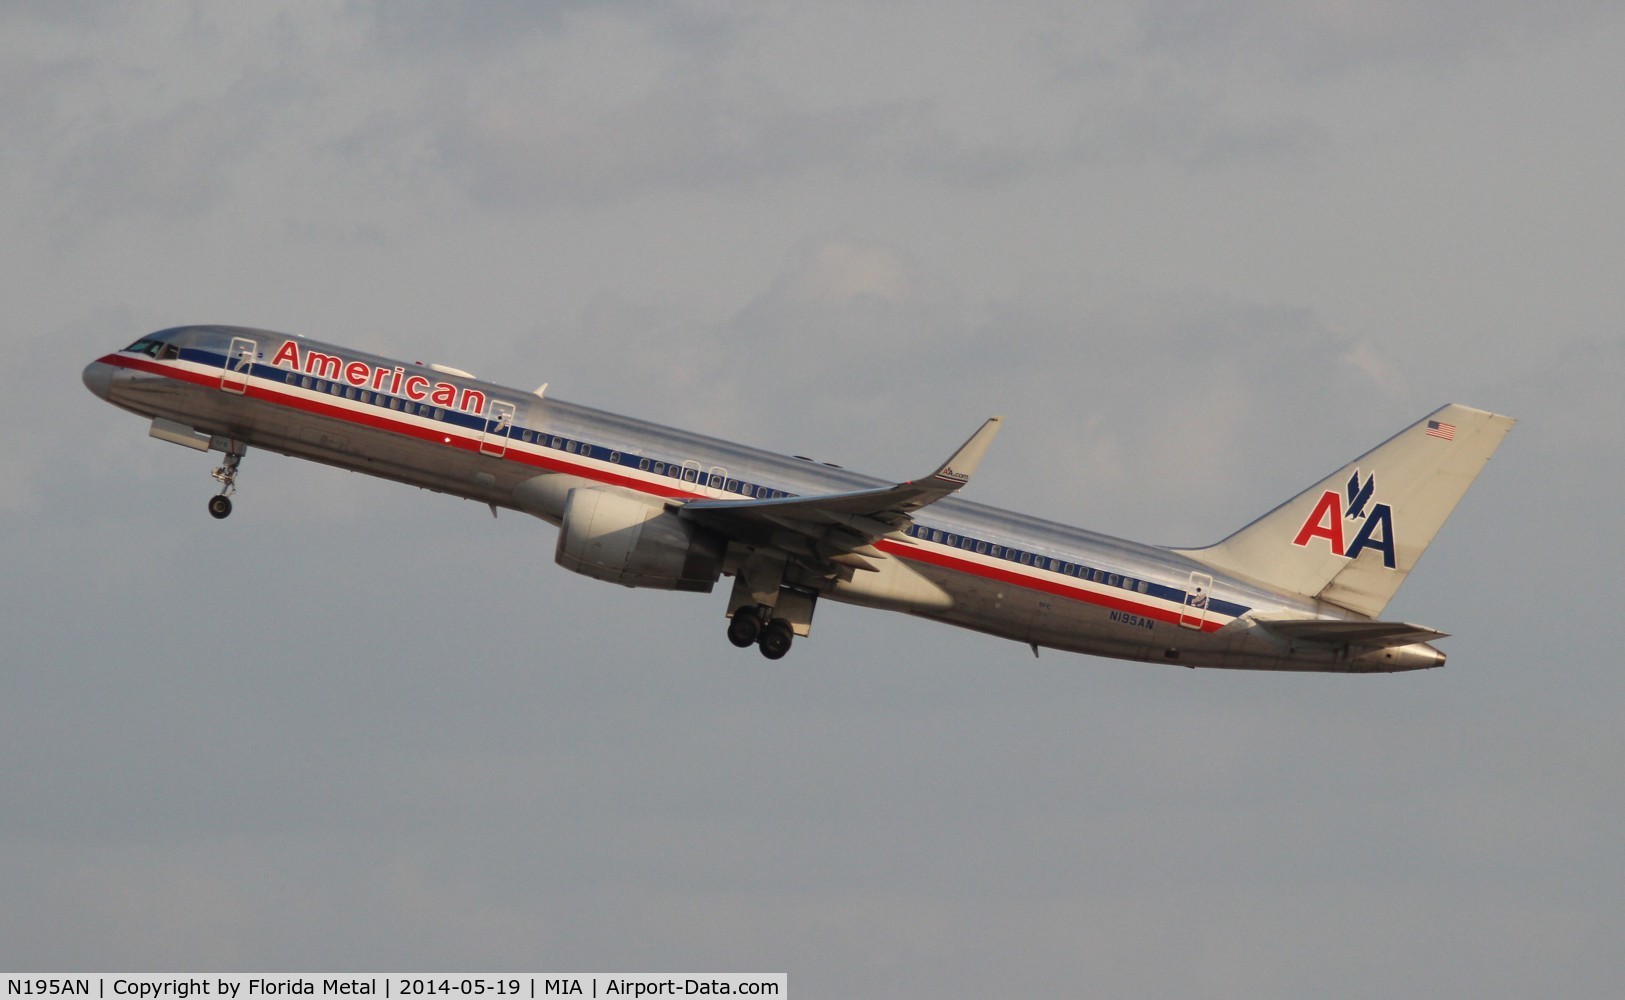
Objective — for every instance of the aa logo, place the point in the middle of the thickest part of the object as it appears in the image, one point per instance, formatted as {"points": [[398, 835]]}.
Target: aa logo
{"points": [[1337, 514]]}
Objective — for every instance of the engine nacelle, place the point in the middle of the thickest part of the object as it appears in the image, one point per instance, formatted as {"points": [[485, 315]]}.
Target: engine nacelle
{"points": [[636, 543]]}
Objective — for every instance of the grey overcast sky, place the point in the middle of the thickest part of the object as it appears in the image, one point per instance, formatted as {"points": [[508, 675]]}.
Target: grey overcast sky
{"points": [[1197, 254]]}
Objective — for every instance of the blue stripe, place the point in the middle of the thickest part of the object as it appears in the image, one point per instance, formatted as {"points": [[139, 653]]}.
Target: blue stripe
{"points": [[479, 424]]}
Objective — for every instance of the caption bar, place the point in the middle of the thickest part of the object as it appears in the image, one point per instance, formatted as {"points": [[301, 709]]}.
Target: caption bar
{"points": [[391, 986]]}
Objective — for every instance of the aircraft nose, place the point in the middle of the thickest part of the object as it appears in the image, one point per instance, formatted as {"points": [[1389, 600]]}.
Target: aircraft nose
{"points": [[98, 376]]}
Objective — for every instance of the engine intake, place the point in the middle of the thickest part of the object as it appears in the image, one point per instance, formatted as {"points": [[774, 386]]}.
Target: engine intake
{"points": [[635, 543]]}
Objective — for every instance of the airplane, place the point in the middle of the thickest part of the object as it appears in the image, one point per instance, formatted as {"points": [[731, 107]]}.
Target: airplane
{"points": [[642, 505]]}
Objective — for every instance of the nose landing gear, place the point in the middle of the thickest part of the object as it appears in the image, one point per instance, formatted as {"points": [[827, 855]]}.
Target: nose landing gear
{"points": [[226, 475]]}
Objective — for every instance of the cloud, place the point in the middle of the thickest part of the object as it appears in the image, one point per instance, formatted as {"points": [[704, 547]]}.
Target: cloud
{"points": [[1335, 37], [1195, 259]]}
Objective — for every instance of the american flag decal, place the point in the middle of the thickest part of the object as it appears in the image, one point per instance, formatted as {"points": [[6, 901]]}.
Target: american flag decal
{"points": [[1439, 429]]}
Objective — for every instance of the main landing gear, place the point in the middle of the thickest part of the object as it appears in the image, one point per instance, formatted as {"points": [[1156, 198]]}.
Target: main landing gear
{"points": [[772, 637], [769, 615], [226, 475]]}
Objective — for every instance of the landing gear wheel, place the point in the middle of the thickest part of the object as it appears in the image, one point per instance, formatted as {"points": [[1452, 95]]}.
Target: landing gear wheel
{"points": [[226, 476], [776, 639], [744, 627]]}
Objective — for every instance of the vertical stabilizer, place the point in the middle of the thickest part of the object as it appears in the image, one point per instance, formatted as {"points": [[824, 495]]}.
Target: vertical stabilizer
{"points": [[1353, 538]]}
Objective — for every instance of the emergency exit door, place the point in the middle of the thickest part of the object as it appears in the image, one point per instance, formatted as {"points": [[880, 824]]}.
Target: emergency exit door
{"points": [[1194, 613], [239, 365], [494, 439]]}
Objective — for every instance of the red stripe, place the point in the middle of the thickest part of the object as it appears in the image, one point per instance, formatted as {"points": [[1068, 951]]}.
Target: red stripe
{"points": [[432, 435], [959, 565], [902, 550]]}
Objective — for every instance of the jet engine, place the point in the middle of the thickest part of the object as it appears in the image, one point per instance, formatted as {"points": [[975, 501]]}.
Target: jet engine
{"points": [[635, 543]]}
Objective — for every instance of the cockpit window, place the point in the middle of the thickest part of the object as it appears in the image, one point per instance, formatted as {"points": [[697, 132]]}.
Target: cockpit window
{"points": [[145, 346]]}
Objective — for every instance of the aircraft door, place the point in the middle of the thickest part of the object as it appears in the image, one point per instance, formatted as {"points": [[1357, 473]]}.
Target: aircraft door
{"points": [[239, 365], [694, 475], [1194, 613], [498, 426], [715, 482]]}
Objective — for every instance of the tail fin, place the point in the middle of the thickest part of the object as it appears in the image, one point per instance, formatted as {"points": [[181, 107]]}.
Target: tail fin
{"points": [[1352, 538]]}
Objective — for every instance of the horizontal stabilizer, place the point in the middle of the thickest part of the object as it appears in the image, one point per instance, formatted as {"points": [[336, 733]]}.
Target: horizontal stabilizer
{"points": [[1345, 633]]}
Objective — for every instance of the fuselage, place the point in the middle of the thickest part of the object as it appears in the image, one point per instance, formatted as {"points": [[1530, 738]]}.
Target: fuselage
{"points": [[959, 562]]}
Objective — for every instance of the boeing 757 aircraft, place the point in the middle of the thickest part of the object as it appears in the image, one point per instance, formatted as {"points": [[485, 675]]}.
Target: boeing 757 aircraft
{"points": [[1301, 588]]}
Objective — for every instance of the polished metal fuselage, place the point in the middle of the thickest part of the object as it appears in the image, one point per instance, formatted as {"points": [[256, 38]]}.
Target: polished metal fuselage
{"points": [[999, 572]]}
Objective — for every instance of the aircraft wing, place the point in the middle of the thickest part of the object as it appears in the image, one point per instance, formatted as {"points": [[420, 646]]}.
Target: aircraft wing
{"points": [[1339, 633], [832, 524]]}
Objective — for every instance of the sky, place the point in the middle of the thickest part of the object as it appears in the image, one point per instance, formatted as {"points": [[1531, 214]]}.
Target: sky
{"points": [[1196, 254]]}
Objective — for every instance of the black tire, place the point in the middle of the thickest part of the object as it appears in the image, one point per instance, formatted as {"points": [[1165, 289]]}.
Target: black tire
{"points": [[220, 505], [744, 627], [776, 639]]}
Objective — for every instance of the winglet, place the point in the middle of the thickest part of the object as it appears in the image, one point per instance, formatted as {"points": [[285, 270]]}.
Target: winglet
{"points": [[956, 472]]}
